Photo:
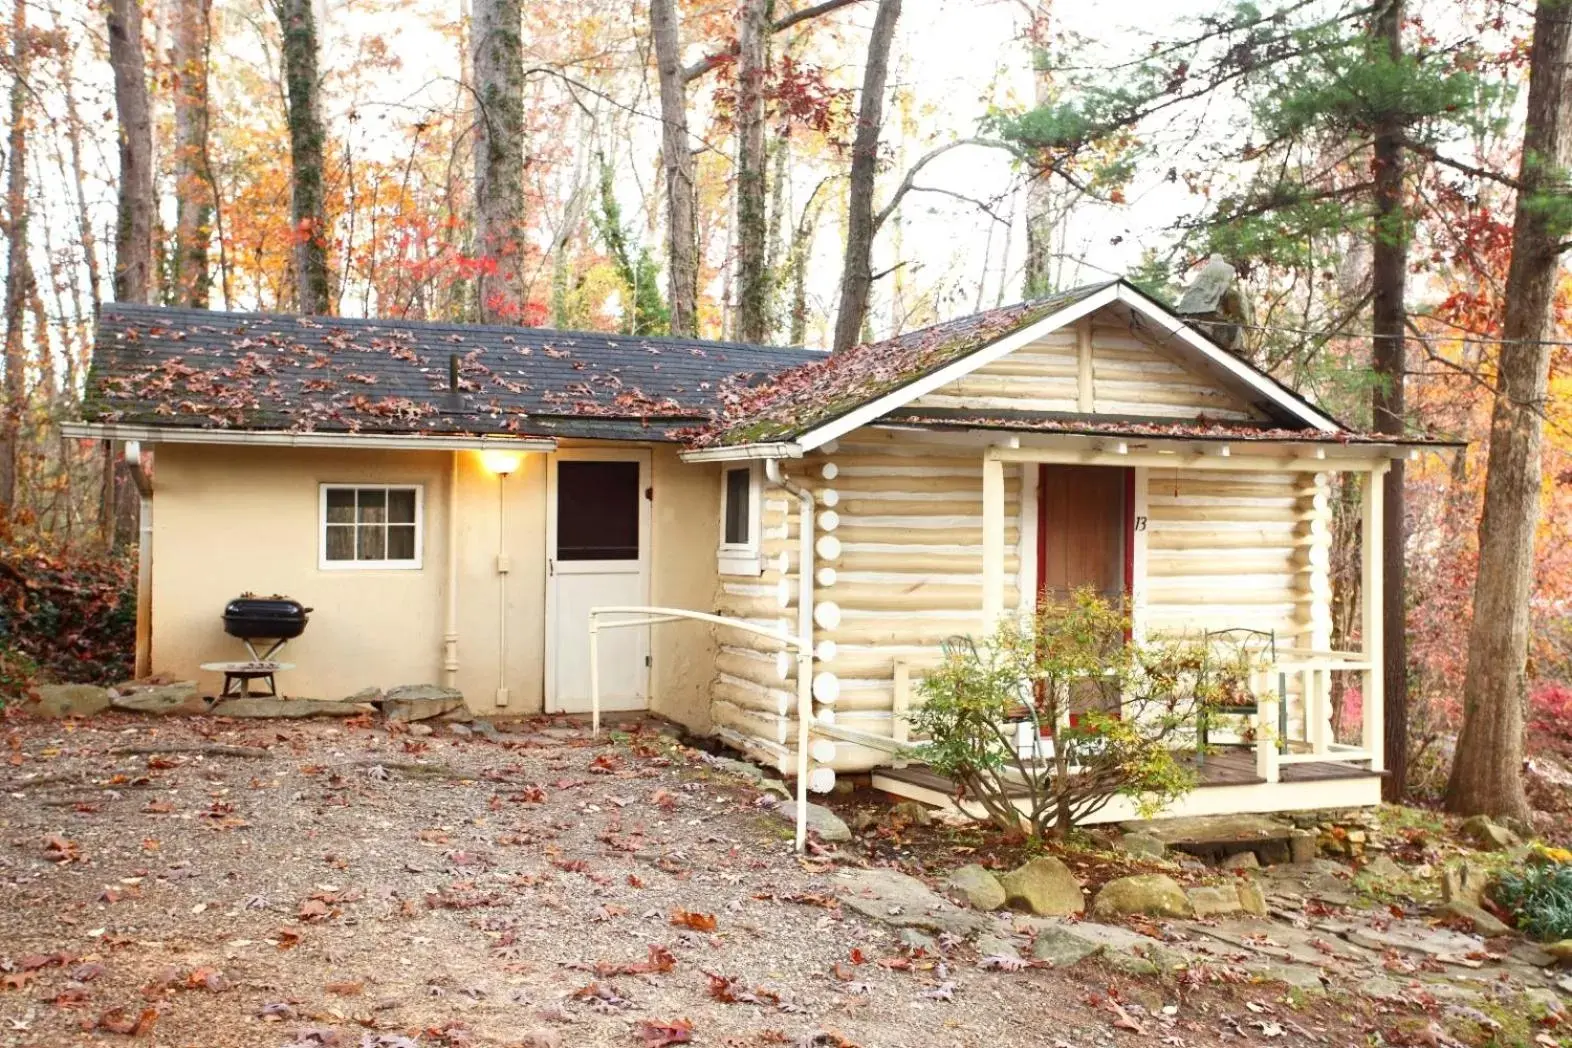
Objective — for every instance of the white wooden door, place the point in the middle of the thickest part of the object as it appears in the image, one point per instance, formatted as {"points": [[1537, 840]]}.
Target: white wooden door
{"points": [[598, 552]]}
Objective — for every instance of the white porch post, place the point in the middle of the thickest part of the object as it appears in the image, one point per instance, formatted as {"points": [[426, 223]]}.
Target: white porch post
{"points": [[1373, 740], [992, 540]]}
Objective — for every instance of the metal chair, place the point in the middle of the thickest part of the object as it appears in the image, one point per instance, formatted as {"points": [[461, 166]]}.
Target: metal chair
{"points": [[1250, 641]]}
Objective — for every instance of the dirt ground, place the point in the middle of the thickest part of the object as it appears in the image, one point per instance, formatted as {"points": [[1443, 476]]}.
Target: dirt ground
{"points": [[202, 882]]}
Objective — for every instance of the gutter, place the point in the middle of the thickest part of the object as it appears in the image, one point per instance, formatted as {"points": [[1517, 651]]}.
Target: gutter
{"points": [[743, 452], [144, 559], [777, 476], [292, 439]]}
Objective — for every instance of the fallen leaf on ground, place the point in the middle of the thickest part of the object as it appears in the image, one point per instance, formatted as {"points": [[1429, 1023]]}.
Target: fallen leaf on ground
{"points": [[699, 922], [655, 1033]]}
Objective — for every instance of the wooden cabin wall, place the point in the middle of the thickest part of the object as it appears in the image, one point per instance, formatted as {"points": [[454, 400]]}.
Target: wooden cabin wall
{"points": [[1099, 366], [1239, 549]]}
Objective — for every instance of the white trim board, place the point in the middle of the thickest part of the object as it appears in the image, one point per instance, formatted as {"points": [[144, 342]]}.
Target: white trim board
{"points": [[293, 439]]}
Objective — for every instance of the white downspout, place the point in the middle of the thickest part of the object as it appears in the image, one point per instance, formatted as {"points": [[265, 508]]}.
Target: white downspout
{"points": [[144, 559], [450, 659], [503, 566], [777, 476]]}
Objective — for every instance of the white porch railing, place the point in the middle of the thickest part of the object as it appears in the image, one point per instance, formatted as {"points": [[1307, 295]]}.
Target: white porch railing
{"points": [[1311, 670]]}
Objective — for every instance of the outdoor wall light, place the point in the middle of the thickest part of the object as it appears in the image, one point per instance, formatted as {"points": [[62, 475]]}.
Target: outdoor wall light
{"points": [[501, 462]]}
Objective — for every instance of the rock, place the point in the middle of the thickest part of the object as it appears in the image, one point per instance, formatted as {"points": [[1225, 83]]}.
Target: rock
{"points": [[1414, 938], [421, 730], [1155, 894], [461, 730], [1130, 964], [915, 940], [1298, 976], [1561, 950], [863, 819], [1062, 948], [991, 944], [1211, 831], [415, 702], [1213, 900], [899, 901], [822, 822], [1251, 898], [1244, 860], [486, 730], [1044, 886], [1487, 835], [909, 812], [285, 709], [980, 888], [365, 695], [741, 769], [180, 697], [1483, 922], [1463, 882], [1301, 846], [1142, 845], [1532, 954], [56, 701], [1382, 869], [1518, 826]]}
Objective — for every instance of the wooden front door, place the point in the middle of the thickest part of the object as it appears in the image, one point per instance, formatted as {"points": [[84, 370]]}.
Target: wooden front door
{"points": [[1083, 530], [1085, 538]]}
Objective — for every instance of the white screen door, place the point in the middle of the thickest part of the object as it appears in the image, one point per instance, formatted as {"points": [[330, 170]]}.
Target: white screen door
{"points": [[598, 550]]}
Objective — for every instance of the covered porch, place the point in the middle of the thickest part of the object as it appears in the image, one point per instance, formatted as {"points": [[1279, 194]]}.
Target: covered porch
{"points": [[1286, 755]]}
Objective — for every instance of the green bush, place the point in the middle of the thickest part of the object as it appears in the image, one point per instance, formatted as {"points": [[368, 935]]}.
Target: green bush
{"points": [[1115, 711], [1539, 898]]}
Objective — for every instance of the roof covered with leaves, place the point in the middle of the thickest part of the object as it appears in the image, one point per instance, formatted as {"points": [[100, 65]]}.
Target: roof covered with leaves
{"points": [[823, 388], [163, 366]]}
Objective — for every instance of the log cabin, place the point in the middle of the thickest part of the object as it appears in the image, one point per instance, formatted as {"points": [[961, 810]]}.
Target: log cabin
{"points": [[766, 545]]}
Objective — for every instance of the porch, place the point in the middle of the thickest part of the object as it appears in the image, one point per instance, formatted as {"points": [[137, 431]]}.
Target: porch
{"points": [[1228, 783]]}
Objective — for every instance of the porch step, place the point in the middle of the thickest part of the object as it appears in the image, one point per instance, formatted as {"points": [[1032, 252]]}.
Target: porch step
{"points": [[1198, 832]]}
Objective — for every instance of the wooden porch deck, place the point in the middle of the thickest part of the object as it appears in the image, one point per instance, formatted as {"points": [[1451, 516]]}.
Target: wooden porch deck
{"points": [[1228, 783]]}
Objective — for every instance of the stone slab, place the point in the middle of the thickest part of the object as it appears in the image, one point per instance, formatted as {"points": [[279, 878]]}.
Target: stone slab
{"points": [[1211, 831], [287, 709]]}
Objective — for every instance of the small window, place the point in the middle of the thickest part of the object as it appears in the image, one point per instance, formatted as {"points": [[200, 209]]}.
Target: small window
{"points": [[597, 510], [739, 545], [371, 526], [739, 513]]}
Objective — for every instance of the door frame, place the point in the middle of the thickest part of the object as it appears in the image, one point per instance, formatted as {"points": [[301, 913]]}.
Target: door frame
{"points": [[643, 458]]}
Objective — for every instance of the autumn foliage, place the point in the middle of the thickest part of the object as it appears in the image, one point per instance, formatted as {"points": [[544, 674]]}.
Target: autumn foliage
{"points": [[65, 615]]}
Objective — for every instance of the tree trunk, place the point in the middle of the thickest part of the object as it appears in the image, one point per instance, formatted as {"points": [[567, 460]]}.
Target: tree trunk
{"points": [[1038, 277], [1389, 270], [15, 386], [682, 248], [753, 293], [1487, 773], [857, 271], [193, 186], [134, 224], [307, 143], [498, 59]]}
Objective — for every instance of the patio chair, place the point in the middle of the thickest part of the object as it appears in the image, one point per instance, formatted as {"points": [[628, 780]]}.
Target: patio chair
{"points": [[1251, 643]]}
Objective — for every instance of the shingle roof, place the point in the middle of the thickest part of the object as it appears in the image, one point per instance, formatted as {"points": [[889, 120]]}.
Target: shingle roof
{"points": [[822, 389], [199, 368]]}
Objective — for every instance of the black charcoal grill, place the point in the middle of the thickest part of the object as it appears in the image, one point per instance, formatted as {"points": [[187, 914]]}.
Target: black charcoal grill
{"points": [[271, 621], [260, 619]]}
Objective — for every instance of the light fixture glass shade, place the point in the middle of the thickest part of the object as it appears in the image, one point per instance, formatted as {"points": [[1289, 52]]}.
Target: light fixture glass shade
{"points": [[501, 462]]}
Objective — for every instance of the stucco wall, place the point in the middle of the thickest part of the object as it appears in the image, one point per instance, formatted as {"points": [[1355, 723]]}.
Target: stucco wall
{"points": [[234, 519]]}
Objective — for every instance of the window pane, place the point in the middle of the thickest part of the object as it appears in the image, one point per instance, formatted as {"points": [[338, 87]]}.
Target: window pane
{"points": [[401, 542], [340, 541], [737, 484], [373, 542], [373, 505], [401, 505], [341, 505], [598, 510]]}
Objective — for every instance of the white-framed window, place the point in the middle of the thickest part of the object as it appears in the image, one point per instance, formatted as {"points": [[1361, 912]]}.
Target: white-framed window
{"points": [[365, 526], [739, 523]]}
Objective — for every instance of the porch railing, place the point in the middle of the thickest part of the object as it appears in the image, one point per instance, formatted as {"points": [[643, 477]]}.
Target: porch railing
{"points": [[1310, 672]]}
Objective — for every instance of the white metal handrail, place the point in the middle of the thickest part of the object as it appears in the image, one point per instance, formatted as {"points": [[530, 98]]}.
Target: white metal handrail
{"points": [[650, 616]]}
